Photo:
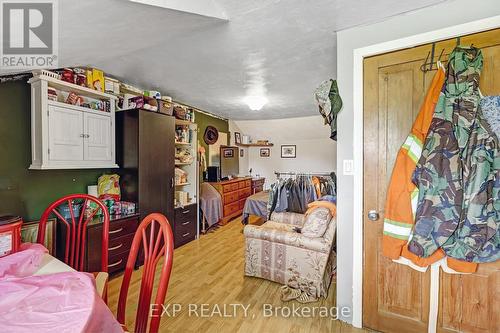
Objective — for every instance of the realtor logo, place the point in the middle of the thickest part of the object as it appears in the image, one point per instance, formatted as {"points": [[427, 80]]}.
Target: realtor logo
{"points": [[29, 34]]}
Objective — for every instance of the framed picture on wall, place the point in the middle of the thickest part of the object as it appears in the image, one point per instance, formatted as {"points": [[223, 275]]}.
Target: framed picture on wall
{"points": [[228, 153], [242, 153], [265, 152], [237, 138], [288, 151], [29, 234]]}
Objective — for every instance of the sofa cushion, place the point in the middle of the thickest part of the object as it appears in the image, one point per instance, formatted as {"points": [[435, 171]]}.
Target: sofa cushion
{"points": [[316, 222]]}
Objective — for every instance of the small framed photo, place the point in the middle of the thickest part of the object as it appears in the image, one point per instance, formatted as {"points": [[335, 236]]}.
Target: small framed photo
{"points": [[242, 153], [288, 151], [228, 153], [265, 152], [237, 138]]}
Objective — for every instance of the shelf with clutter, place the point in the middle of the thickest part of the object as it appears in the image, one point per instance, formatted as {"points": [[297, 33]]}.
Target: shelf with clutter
{"points": [[186, 166]]}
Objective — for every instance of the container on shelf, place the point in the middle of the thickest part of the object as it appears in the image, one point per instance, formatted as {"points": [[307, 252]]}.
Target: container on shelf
{"points": [[10, 234], [68, 75], [51, 94]]}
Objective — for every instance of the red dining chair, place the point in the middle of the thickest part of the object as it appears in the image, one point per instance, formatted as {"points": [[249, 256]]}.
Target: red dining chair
{"points": [[76, 228], [156, 237]]}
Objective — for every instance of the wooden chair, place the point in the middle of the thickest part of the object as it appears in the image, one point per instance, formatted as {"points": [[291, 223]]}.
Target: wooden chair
{"points": [[76, 232], [156, 237]]}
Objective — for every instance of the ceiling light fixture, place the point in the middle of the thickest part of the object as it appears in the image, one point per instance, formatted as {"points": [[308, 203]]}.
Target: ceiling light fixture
{"points": [[255, 103]]}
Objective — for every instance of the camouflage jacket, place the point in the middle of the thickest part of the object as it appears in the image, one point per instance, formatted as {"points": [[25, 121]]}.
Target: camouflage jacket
{"points": [[477, 238], [438, 174]]}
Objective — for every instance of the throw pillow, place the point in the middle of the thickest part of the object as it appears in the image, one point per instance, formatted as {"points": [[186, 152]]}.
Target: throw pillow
{"points": [[316, 222]]}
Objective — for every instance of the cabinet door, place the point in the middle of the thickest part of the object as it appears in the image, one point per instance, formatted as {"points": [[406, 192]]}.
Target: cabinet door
{"points": [[97, 143], [65, 135], [156, 164]]}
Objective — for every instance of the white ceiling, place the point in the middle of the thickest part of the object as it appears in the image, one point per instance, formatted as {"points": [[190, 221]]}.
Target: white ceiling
{"points": [[282, 49]]}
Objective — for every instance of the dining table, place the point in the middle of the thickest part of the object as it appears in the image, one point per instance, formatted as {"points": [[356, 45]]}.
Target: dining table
{"points": [[39, 293]]}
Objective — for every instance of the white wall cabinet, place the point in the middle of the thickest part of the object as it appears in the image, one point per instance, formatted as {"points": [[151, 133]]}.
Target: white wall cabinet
{"points": [[66, 136]]}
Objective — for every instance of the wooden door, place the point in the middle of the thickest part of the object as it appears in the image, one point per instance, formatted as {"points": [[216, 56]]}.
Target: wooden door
{"points": [[97, 144], [396, 297], [65, 134]]}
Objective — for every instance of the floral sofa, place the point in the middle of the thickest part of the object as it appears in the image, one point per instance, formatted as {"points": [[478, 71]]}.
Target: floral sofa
{"points": [[276, 252]]}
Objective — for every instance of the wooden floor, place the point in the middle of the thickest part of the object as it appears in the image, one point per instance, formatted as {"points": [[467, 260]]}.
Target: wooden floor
{"points": [[210, 271]]}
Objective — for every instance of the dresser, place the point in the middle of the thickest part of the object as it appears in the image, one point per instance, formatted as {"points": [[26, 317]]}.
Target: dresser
{"points": [[121, 233], [258, 184], [234, 193]]}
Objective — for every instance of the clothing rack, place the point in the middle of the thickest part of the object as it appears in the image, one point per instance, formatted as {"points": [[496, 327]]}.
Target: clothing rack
{"points": [[319, 174]]}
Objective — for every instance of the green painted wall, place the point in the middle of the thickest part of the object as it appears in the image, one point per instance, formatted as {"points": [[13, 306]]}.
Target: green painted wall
{"points": [[203, 121], [28, 192]]}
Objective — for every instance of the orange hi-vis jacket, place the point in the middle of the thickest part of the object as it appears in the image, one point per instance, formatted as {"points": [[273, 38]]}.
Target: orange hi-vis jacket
{"points": [[402, 194]]}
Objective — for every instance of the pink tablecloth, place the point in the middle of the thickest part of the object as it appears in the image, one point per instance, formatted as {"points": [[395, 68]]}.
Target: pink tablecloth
{"points": [[61, 302]]}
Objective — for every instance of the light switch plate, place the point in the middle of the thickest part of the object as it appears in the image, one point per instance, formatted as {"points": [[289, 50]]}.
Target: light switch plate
{"points": [[348, 168]]}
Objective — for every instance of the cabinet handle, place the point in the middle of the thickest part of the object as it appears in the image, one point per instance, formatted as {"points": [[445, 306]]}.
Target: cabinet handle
{"points": [[87, 136], [116, 263], [82, 135], [115, 247], [186, 234], [115, 231], [185, 212], [186, 223]]}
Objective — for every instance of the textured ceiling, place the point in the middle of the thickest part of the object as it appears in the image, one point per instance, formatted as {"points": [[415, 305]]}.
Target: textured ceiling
{"points": [[282, 49]]}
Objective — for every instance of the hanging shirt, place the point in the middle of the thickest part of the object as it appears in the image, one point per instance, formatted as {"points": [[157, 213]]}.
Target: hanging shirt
{"points": [[438, 175]]}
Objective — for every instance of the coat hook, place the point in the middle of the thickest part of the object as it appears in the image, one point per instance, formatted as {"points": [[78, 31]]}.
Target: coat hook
{"points": [[433, 51], [423, 67]]}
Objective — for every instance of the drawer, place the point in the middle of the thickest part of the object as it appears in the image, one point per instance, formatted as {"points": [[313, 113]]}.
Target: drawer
{"points": [[231, 208], [259, 182], [245, 193], [241, 184], [183, 227], [117, 262], [121, 228], [187, 213], [248, 183], [120, 244], [183, 236], [258, 189], [242, 203], [230, 187], [231, 197]]}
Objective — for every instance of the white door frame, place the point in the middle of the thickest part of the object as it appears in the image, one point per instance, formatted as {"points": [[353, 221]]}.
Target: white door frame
{"points": [[358, 56]]}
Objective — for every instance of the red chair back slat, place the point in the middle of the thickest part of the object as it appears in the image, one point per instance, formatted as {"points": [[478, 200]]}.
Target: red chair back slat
{"points": [[158, 246], [76, 230]]}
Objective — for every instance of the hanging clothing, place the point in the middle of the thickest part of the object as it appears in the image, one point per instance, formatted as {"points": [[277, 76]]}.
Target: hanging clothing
{"points": [[402, 193], [477, 238], [295, 194], [490, 107], [330, 103], [438, 174]]}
